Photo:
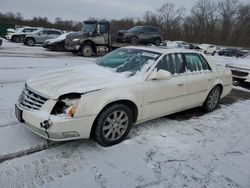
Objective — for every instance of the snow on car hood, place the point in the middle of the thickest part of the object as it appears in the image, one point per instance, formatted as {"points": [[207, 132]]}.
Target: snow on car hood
{"points": [[241, 63], [58, 39], [79, 79]]}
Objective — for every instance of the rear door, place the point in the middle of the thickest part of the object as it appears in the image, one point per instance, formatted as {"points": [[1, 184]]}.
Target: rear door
{"points": [[51, 34], [199, 79]]}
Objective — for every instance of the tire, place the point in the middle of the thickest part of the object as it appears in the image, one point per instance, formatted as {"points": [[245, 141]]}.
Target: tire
{"points": [[87, 51], [16, 39], [30, 42], [133, 40], [113, 125], [59, 48], [212, 99], [157, 42], [213, 53]]}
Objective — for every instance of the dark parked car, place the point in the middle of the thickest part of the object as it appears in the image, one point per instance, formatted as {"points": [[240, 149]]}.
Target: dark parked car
{"points": [[56, 44], [1, 41], [232, 52], [140, 34]]}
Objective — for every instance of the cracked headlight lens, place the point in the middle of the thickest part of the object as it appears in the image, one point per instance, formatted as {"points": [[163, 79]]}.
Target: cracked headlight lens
{"points": [[66, 107]]}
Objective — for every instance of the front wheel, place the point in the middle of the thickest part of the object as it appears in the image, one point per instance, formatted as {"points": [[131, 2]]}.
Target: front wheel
{"points": [[16, 39], [30, 42], [87, 51], [113, 125], [157, 42], [212, 99], [59, 47]]}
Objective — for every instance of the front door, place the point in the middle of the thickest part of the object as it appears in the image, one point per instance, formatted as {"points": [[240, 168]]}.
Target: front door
{"points": [[162, 97]]}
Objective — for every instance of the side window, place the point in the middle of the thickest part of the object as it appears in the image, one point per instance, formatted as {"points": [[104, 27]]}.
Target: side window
{"points": [[51, 32], [153, 30], [195, 62], [42, 32], [45, 32], [103, 28], [173, 63]]}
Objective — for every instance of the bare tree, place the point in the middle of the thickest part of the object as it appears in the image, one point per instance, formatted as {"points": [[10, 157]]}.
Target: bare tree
{"points": [[203, 16], [227, 10], [170, 19]]}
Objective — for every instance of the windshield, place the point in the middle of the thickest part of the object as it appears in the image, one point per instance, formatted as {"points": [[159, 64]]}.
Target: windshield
{"points": [[128, 60], [136, 28], [89, 27]]}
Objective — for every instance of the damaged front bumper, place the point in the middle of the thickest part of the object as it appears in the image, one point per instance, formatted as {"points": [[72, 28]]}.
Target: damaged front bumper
{"points": [[59, 129]]}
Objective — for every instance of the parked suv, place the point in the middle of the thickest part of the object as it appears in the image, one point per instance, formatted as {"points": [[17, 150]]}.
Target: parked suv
{"points": [[140, 34], [39, 36], [16, 36]]}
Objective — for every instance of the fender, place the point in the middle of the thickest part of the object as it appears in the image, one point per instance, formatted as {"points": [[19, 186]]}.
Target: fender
{"points": [[95, 102]]}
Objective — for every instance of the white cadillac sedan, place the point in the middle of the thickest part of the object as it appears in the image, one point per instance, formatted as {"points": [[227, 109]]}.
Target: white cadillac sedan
{"points": [[127, 86]]}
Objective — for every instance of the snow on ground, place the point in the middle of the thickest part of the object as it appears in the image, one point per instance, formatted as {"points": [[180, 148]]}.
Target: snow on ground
{"points": [[204, 150]]}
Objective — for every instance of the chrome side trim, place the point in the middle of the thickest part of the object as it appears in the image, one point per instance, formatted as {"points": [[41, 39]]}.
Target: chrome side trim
{"points": [[151, 102]]}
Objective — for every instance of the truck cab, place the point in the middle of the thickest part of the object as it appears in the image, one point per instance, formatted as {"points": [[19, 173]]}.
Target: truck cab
{"points": [[93, 38]]}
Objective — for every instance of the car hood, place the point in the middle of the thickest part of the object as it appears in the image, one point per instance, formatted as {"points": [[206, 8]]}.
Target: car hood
{"points": [[79, 79], [127, 32], [241, 63], [123, 31]]}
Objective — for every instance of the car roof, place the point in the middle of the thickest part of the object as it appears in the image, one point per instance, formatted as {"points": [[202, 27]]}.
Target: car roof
{"points": [[162, 50]]}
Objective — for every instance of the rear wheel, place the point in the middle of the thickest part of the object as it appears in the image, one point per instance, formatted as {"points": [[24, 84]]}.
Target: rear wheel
{"points": [[87, 51], [113, 125], [16, 39], [212, 99], [133, 40], [30, 42], [157, 42]]}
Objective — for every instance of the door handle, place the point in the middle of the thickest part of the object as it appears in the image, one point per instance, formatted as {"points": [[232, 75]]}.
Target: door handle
{"points": [[181, 84], [210, 79]]}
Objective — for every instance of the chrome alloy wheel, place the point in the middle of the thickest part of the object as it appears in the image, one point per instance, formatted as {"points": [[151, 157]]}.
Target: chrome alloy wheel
{"points": [[213, 98], [115, 125]]}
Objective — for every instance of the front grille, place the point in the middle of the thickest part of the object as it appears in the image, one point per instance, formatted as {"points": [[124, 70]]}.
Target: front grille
{"points": [[31, 100], [239, 73]]}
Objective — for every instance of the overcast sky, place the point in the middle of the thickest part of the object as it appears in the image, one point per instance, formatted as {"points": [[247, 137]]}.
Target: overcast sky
{"points": [[80, 10]]}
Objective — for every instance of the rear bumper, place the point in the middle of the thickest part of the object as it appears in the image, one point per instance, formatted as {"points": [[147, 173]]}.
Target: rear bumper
{"points": [[61, 129], [226, 90]]}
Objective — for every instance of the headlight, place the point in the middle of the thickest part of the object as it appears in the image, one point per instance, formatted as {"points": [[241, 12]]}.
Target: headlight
{"points": [[76, 40], [66, 105]]}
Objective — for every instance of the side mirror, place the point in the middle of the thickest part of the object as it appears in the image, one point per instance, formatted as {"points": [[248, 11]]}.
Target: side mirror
{"points": [[160, 75], [98, 29]]}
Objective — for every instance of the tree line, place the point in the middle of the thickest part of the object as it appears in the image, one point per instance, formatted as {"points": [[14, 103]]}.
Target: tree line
{"points": [[224, 22]]}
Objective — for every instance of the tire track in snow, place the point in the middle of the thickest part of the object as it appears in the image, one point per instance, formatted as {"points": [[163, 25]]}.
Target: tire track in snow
{"points": [[40, 171]]}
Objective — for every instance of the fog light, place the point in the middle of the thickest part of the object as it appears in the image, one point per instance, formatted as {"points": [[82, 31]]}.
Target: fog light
{"points": [[71, 134]]}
